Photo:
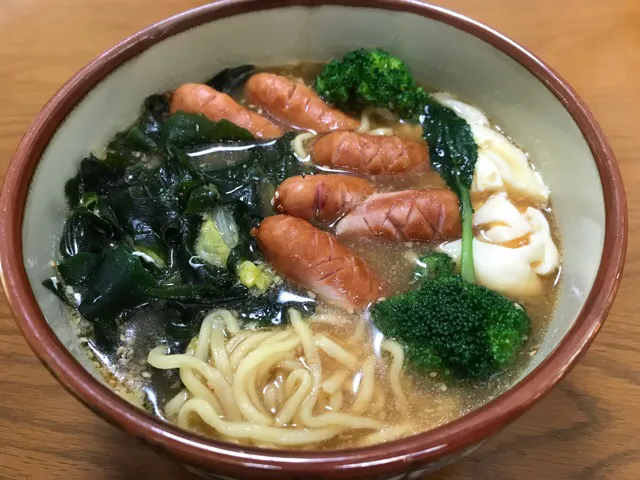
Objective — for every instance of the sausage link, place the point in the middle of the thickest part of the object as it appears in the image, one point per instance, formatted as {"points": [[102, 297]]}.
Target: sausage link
{"points": [[325, 198], [295, 104], [410, 215], [369, 154], [317, 261], [216, 106]]}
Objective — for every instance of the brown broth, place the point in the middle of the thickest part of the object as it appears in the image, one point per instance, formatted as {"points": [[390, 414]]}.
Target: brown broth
{"points": [[433, 399]]}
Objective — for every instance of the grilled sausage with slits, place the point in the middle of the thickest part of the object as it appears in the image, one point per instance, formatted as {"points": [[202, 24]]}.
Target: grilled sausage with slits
{"points": [[295, 104], [317, 261], [216, 106], [369, 154], [325, 198], [410, 215]]}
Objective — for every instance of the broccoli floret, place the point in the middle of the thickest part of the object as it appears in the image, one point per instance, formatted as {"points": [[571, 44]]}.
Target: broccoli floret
{"points": [[451, 324], [371, 78], [433, 265]]}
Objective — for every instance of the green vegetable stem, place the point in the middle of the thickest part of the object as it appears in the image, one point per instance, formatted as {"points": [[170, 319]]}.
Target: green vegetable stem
{"points": [[453, 154]]}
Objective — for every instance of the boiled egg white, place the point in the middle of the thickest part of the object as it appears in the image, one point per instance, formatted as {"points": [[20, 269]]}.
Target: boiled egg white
{"points": [[471, 114], [506, 270], [503, 220], [501, 165], [511, 164]]}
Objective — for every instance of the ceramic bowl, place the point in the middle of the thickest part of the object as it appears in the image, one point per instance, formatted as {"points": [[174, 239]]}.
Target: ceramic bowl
{"points": [[444, 50]]}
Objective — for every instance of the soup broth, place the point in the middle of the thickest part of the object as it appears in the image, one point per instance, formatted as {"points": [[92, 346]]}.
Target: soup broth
{"points": [[355, 376]]}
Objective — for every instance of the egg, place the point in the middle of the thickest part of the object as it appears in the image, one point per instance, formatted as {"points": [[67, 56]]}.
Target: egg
{"points": [[511, 164], [486, 176], [541, 234], [503, 169], [505, 223], [471, 114], [500, 165], [506, 270]]}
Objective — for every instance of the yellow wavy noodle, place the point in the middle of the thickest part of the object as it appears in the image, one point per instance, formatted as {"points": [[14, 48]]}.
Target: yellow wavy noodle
{"points": [[282, 387]]}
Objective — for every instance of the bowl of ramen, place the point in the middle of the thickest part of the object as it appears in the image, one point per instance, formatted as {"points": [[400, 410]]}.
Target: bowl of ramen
{"points": [[354, 247]]}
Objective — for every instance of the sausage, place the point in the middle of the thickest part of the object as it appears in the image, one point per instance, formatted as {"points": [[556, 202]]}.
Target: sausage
{"points": [[317, 261], [325, 198], [369, 154], [410, 215], [216, 106], [295, 104]]}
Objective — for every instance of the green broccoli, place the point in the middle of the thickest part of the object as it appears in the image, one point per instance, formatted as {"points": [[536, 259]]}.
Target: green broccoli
{"points": [[432, 265], [371, 78], [451, 324]]}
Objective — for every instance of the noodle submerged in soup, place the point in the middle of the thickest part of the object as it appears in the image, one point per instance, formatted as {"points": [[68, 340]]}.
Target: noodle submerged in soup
{"points": [[289, 387], [225, 259]]}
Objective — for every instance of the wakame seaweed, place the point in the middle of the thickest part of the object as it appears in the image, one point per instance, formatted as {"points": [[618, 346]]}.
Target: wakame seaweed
{"points": [[194, 130], [232, 78], [129, 241]]}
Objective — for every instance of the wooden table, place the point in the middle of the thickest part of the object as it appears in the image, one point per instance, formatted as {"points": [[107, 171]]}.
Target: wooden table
{"points": [[588, 428]]}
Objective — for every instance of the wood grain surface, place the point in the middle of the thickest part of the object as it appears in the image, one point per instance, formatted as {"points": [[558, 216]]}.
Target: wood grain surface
{"points": [[588, 428]]}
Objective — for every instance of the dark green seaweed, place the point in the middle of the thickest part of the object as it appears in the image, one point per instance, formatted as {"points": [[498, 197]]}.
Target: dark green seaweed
{"points": [[129, 242], [184, 130], [232, 78]]}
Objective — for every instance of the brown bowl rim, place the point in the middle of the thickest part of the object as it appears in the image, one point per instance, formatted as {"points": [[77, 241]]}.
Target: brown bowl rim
{"points": [[228, 458]]}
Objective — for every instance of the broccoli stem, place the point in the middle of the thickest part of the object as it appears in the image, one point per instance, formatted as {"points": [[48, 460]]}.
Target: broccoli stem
{"points": [[467, 269]]}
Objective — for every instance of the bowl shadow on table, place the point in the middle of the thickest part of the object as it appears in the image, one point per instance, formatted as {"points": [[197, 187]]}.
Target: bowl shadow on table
{"points": [[134, 460], [571, 434]]}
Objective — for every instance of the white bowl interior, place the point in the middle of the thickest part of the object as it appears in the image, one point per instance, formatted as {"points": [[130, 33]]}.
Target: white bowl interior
{"points": [[439, 55]]}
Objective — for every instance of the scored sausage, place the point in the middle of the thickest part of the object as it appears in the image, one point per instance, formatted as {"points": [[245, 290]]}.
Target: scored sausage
{"points": [[295, 104], [369, 154], [216, 106], [320, 197], [410, 215], [317, 261]]}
